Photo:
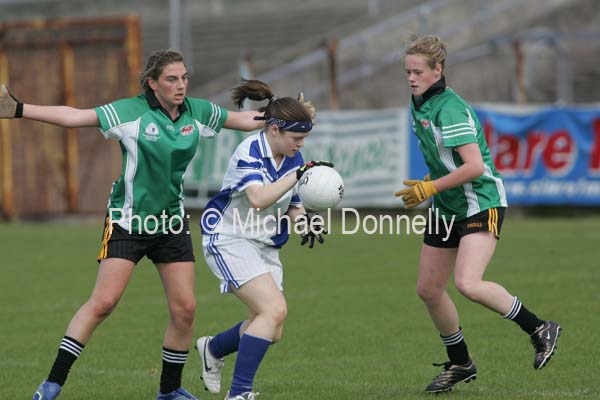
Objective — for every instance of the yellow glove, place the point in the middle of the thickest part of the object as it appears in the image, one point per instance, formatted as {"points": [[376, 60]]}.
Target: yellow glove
{"points": [[418, 192]]}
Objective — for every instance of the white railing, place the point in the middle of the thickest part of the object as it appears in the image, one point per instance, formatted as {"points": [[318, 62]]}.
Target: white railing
{"points": [[364, 53]]}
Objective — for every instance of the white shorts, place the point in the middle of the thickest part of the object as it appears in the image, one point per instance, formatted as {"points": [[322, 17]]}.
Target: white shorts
{"points": [[236, 261]]}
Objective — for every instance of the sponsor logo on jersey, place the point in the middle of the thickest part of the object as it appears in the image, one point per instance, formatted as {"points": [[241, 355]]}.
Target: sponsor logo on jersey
{"points": [[474, 225], [425, 123], [151, 133], [171, 128], [187, 130]]}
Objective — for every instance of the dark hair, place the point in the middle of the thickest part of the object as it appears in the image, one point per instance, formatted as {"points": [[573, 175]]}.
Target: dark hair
{"points": [[430, 47], [155, 65], [286, 108]]}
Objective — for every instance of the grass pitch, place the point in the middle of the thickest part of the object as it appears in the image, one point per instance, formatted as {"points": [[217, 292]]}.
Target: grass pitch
{"points": [[355, 327]]}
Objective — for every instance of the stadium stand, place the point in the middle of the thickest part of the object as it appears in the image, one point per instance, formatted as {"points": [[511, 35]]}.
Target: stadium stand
{"points": [[277, 33]]}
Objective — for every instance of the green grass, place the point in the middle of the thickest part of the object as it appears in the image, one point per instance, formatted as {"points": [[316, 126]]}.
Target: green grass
{"points": [[355, 327]]}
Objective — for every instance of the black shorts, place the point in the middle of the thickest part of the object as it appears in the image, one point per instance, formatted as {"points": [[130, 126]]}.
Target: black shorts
{"points": [[485, 221], [160, 248]]}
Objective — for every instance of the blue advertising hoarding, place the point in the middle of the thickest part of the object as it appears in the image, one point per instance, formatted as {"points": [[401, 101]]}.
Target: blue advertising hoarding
{"points": [[546, 156]]}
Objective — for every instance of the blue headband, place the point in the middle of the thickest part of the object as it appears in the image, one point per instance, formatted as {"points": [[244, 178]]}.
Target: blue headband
{"points": [[292, 126]]}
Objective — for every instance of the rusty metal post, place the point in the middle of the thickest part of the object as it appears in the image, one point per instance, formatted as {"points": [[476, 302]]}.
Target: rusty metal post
{"points": [[520, 93], [134, 53], [6, 163], [332, 61], [71, 138], [564, 73]]}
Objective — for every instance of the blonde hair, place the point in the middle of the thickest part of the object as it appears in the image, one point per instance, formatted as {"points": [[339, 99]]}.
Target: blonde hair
{"points": [[155, 65], [430, 47]]}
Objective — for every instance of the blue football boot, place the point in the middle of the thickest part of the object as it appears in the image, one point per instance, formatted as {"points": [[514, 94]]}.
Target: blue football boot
{"points": [[47, 391], [179, 394]]}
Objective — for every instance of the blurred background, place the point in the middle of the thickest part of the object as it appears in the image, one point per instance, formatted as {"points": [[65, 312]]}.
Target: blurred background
{"points": [[356, 329], [531, 67]]}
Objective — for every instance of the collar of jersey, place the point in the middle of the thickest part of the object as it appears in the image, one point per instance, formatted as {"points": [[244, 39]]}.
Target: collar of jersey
{"points": [[154, 104], [434, 89], [265, 149]]}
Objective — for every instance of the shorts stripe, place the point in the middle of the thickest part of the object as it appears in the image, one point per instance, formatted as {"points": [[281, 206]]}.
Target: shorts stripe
{"points": [[105, 238], [493, 221], [221, 261], [496, 222]]}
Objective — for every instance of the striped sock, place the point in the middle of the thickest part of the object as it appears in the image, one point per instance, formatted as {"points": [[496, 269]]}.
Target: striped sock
{"points": [[527, 320], [68, 352], [456, 347], [172, 367]]}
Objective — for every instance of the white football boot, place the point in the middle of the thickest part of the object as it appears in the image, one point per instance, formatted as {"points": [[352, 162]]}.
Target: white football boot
{"points": [[211, 366]]}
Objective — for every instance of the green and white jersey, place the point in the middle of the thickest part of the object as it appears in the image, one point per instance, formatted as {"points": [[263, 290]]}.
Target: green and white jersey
{"points": [[156, 152], [443, 123]]}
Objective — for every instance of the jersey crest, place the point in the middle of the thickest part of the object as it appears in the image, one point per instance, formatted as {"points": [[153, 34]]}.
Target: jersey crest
{"points": [[151, 132], [187, 130]]}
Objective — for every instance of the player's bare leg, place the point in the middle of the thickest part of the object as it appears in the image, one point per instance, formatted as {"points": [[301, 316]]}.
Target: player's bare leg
{"points": [[435, 267], [266, 302], [111, 281], [474, 255], [178, 281]]}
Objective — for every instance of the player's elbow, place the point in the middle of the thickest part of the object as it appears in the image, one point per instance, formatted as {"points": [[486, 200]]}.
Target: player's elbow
{"points": [[477, 169]]}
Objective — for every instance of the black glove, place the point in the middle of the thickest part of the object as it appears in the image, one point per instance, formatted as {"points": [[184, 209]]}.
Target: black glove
{"points": [[300, 171], [10, 107], [312, 230]]}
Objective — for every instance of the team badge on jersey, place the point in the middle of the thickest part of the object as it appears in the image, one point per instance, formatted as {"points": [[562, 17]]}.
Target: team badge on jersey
{"points": [[187, 130], [425, 123], [151, 132]]}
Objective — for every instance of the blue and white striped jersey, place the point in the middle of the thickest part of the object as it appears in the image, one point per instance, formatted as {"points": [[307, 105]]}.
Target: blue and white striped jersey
{"points": [[229, 212]]}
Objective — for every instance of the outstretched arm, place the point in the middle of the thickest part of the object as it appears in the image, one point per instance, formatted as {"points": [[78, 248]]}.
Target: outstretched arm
{"points": [[244, 120], [67, 117]]}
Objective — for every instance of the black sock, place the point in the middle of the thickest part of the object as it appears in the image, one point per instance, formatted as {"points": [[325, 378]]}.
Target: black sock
{"points": [[527, 320], [172, 367], [68, 352], [456, 347]]}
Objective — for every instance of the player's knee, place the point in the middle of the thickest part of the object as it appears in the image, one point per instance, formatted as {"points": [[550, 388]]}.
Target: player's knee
{"points": [[185, 310], [102, 307], [467, 288], [278, 335], [429, 295], [278, 313], [189, 308]]}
